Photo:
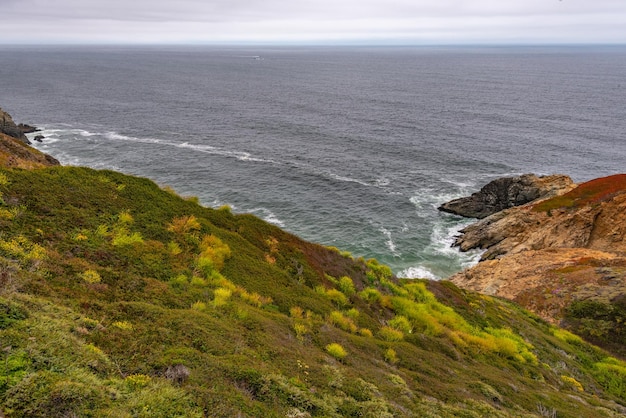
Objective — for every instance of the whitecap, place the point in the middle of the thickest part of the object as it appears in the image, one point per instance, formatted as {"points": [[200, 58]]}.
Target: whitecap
{"points": [[418, 272], [347, 179], [443, 237], [268, 216], [390, 244], [382, 182]]}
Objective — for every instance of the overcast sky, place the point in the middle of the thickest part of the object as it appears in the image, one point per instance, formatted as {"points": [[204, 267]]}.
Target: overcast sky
{"points": [[313, 21]]}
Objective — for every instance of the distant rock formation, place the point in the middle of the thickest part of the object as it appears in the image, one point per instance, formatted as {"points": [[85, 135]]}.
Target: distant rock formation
{"points": [[507, 192], [8, 127], [27, 129]]}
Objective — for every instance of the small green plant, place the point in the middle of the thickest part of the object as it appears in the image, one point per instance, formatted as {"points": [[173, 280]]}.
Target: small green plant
{"points": [[370, 295], [401, 324], [387, 333], [337, 351], [91, 277], [198, 306], [123, 325], [343, 322], [221, 296], [390, 356], [346, 285], [572, 383], [366, 332], [137, 381], [301, 331]]}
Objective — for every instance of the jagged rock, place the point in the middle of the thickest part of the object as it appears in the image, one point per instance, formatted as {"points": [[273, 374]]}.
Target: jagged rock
{"points": [[507, 192], [27, 129], [8, 127], [38, 138]]}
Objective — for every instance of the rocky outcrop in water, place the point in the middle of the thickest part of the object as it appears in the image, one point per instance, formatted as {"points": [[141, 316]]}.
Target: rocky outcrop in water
{"points": [[507, 192], [8, 127]]}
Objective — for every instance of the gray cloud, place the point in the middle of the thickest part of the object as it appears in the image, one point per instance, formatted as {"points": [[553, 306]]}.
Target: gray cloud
{"points": [[418, 21]]}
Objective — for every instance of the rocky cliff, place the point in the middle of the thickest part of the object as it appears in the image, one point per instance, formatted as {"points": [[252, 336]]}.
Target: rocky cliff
{"points": [[14, 146], [557, 256], [8, 127]]}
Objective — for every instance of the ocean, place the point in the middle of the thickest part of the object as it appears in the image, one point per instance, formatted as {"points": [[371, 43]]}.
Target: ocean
{"points": [[352, 147]]}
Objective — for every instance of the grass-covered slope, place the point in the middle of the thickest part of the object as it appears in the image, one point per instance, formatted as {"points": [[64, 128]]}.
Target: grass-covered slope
{"points": [[120, 299]]}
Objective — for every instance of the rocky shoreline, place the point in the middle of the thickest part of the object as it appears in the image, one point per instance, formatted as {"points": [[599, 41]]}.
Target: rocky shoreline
{"points": [[555, 255], [15, 150]]}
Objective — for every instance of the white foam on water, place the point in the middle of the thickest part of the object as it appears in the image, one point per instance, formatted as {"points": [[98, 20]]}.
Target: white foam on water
{"points": [[208, 149], [57, 134], [382, 182], [418, 272], [348, 179], [390, 244], [268, 216], [427, 200]]}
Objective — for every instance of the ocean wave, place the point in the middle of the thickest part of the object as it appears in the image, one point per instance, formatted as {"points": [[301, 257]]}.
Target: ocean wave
{"points": [[268, 216], [418, 272], [347, 179], [427, 200], [390, 244], [67, 132]]}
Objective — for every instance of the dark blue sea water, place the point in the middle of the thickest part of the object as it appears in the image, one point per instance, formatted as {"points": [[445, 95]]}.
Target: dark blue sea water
{"points": [[350, 147]]}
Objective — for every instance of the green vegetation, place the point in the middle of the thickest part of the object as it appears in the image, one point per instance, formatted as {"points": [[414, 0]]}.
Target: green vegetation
{"points": [[602, 322], [121, 299]]}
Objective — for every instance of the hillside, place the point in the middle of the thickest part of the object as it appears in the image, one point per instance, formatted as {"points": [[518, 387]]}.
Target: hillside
{"points": [[119, 298], [564, 258]]}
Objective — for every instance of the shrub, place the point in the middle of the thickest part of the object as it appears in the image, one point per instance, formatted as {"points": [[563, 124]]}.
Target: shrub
{"points": [[221, 296], [418, 293], [91, 276], [214, 250], [125, 217], [337, 297], [162, 400], [22, 248], [124, 238], [390, 356], [377, 272], [336, 350], [198, 306], [611, 374], [402, 324], [137, 381], [301, 330], [123, 325], [346, 285], [390, 334], [352, 313], [340, 321], [296, 312], [370, 295], [365, 332], [572, 383], [198, 281], [173, 248], [184, 225]]}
